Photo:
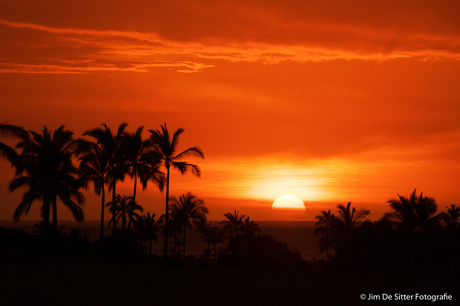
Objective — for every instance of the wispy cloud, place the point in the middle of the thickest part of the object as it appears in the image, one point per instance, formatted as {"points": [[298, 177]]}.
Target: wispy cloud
{"points": [[75, 50]]}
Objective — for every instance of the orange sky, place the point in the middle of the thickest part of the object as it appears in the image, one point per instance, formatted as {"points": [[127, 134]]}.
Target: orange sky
{"points": [[331, 101]]}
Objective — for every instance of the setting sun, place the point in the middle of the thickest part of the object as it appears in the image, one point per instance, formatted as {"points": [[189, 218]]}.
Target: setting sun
{"points": [[288, 207]]}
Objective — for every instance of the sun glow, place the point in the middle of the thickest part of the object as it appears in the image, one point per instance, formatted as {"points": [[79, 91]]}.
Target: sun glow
{"points": [[289, 202], [288, 207]]}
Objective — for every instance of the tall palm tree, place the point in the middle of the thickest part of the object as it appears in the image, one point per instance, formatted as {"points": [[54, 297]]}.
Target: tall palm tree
{"points": [[188, 210], [46, 170], [112, 146], [166, 146], [121, 210], [324, 226], [94, 167], [9, 130], [233, 224], [413, 213], [143, 162]]}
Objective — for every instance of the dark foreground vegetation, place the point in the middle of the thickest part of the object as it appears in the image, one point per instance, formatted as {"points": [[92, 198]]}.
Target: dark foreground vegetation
{"points": [[410, 240]]}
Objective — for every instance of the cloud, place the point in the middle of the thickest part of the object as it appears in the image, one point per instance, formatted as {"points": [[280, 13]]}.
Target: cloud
{"points": [[201, 35]]}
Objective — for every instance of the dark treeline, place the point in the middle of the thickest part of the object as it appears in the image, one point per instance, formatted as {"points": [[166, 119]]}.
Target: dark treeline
{"points": [[410, 240], [54, 167]]}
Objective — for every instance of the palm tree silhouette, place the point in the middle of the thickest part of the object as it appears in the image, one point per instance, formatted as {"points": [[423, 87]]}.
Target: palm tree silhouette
{"points": [[166, 146], [188, 210], [148, 228], [249, 228], [9, 130], [112, 146], [144, 162], [452, 217], [123, 208], [216, 235], [414, 213], [204, 229], [348, 219], [46, 170], [324, 226], [94, 167], [233, 224]]}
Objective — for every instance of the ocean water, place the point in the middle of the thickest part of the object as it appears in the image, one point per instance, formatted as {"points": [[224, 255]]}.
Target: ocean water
{"points": [[298, 234]]}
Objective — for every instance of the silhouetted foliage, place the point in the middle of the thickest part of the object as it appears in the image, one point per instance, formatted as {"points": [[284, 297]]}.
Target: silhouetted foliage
{"points": [[263, 252], [45, 168], [187, 211], [10, 130], [112, 148], [166, 146]]}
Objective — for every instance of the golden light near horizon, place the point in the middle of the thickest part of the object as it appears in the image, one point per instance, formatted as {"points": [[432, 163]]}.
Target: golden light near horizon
{"points": [[288, 207], [288, 201]]}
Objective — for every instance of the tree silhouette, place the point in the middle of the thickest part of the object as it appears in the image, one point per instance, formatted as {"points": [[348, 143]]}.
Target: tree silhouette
{"points": [[148, 227], [249, 228], [112, 146], [188, 210], [414, 213], [46, 170], [9, 130], [94, 167], [233, 224], [143, 162], [346, 221], [324, 226], [452, 217], [166, 146], [123, 209]]}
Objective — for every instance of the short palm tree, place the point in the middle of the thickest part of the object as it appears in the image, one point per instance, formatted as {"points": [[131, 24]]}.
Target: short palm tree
{"points": [[148, 227], [413, 213], [249, 228], [143, 162], [46, 170], [452, 216], [324, 227], [123, 206], [188, 210], [166, 146], [112, 146], [346, 221], [233, 224], [216, 236], [9, 130], [211, 235]]}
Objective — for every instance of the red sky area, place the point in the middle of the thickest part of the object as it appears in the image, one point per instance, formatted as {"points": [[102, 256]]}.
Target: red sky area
{"points": [[331, 101]]}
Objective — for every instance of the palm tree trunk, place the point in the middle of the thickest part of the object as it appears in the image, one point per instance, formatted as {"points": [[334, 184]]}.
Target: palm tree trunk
{"points": [[46, 220], [165, 250], [175, 243], [114, 225], [54, 230], [102, 212], [150, 246], [184, 239], [134, 199]]}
